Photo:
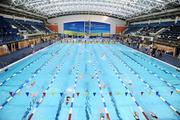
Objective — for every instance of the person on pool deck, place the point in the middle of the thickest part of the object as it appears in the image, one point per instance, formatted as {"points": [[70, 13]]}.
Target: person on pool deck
{"points": [[67, 100], [136, 116], [153, 116]]}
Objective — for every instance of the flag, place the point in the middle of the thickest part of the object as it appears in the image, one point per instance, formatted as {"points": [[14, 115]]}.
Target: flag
{"points": [[178, 91], [78, 93], [61, 94], [118, 93], [126, 93], [19, 93], [27, 93], [53, 93], [110, 93], [33, 94], [149, 92], [86, 93], [44, 94], [11, 93]]}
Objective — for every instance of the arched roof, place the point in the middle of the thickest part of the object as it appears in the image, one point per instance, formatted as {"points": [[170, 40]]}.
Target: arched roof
{"points": [[117, 8]]}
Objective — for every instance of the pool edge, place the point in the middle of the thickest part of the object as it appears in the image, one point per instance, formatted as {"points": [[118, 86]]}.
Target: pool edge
{"points": [[154, 58], [2, 69]]}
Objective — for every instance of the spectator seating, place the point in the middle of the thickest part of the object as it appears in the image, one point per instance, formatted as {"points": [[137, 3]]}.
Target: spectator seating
{"points": [[10, 29], [171, 30]]}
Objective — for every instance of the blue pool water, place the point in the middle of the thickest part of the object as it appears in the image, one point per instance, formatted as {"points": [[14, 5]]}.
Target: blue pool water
{"points": [[111, 79]]}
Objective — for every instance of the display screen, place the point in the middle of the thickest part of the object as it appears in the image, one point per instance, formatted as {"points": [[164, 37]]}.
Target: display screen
{"points": [[82, 28]]}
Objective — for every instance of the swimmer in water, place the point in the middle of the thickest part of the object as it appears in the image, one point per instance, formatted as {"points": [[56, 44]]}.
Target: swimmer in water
{"points": [[92, 76], [67, 100], [102, 117], [136, 116], [153, 116], [129, 82]]}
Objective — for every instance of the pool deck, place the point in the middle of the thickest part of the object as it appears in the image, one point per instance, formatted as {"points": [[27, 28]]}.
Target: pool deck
{"points": [[20, 54], [170, 60]]}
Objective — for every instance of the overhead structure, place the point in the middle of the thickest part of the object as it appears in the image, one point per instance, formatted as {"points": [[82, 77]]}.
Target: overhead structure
{"points": [[122, 9]]}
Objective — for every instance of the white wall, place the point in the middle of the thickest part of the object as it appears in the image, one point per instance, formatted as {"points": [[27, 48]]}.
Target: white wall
{"points": [[96, 18]]}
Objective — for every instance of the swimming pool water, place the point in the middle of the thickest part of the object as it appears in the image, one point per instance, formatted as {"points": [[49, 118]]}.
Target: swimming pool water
{"points": [[99, 78]]}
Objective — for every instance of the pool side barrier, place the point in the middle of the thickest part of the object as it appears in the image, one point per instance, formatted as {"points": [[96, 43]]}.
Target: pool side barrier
{"points": [[2, 69]]}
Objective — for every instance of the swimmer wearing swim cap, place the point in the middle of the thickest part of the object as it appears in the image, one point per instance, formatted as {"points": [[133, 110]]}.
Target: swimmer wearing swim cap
{"points": [[153, 116]]}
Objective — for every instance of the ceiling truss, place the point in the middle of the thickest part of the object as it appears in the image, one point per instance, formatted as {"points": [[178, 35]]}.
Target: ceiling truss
{"points": [[118, 8]]}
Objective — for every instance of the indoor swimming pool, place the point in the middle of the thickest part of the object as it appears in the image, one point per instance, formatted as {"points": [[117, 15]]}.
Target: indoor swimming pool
{"points": [[67, 81]]}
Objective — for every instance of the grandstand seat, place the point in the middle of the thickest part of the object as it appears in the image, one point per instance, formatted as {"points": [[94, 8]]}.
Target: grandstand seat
{"points": [[172, 31], [10, 29]]}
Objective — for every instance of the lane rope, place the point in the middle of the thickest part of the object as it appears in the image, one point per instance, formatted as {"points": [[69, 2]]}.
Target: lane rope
{"points": [[58, 69], [27, 81], [117, 73], [149, 86]]}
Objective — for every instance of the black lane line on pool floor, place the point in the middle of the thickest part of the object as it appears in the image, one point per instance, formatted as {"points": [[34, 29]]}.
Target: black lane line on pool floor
{"points": [[28, 110], [62, 98], [23, 68], [87, 105], [157, 66], [100, 90], [58, 68], [118, 73], [111, 96], [149, 86], [27, 81], [151, 72], [61, 101]]}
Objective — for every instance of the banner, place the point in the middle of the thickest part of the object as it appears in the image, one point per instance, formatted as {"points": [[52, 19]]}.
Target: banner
{"points": [[87, 28]]}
